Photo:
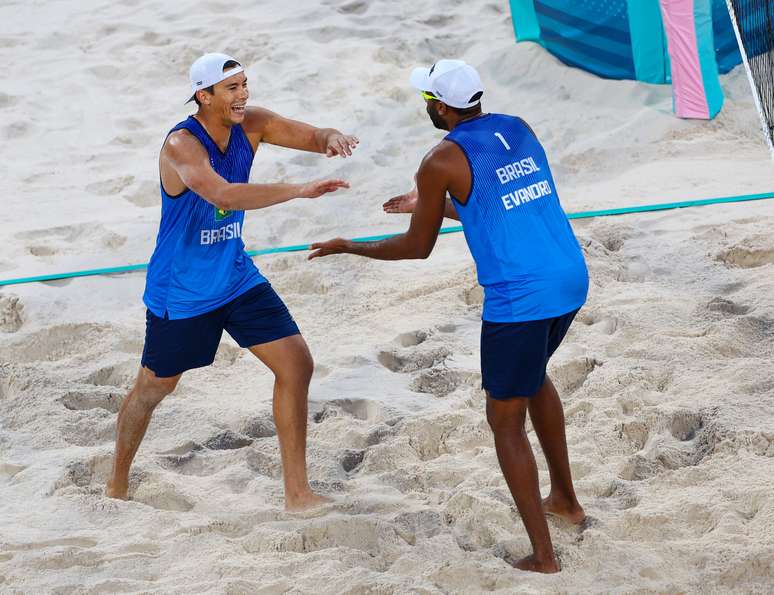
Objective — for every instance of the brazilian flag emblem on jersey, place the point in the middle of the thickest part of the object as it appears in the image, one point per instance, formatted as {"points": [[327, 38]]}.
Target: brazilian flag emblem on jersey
{"points": [[221, 214]]}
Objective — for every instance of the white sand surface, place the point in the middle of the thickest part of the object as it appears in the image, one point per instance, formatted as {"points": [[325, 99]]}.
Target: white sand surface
{"points": [[666, 377]]}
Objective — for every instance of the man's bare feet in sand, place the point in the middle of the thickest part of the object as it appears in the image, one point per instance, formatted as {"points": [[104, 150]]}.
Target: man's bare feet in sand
{"points": [[534, 564], [305, 501], [570, 512], [116, 491]]}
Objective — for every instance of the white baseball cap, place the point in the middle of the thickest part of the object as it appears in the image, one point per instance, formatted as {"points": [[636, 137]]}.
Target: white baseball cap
{"points": [[454, 82], [208, 70]]}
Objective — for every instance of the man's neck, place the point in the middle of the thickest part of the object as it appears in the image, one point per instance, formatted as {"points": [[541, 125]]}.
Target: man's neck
{"points": [[218, 131], [461, 119]]}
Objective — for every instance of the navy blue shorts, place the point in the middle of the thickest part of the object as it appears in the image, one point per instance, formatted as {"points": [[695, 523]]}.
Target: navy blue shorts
{"points": [[514, 355], [174, 346]]}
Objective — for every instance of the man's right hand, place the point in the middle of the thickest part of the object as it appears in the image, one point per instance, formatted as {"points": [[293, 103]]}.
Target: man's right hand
{"points": [[319, 187], [404, 203]]}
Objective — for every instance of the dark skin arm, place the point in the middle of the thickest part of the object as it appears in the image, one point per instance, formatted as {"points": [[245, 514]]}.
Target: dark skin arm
{"points": [[444, 169]]}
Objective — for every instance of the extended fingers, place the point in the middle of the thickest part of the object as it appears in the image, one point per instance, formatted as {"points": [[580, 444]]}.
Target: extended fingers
{"points": [[342, 145], [392, 205], [332, 185]]}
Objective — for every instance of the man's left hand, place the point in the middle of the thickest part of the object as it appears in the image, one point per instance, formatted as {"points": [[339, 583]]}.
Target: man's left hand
{"points": [[337, 246], [340, 144]]}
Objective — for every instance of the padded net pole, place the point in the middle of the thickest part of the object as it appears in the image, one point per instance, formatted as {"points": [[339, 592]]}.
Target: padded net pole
{"points": [[753, 22]]}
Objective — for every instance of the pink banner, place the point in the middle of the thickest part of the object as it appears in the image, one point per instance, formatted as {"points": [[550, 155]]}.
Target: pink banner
{"points": [[687, 81]]}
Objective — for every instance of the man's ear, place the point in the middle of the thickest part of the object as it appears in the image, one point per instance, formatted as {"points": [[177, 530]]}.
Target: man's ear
{"points": [[203, 97], [442, 109]]}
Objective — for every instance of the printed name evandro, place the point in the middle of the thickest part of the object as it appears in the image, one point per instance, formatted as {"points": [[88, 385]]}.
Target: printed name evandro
{"points": [[516, 170]]}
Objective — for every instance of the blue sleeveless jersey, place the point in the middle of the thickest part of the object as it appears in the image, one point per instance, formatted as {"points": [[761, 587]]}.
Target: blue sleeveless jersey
{"points": [[199, 262], [528, 260]]}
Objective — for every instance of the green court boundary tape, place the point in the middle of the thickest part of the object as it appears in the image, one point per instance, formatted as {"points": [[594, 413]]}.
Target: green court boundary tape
{"points": [[444, 230]]}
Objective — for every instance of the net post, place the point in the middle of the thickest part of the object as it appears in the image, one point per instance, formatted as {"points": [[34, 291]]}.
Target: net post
{"points": [[754, 88]]}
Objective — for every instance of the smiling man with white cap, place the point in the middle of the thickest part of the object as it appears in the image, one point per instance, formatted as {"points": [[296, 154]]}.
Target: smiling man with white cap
{"points": [[529, 263], [200, 280]]}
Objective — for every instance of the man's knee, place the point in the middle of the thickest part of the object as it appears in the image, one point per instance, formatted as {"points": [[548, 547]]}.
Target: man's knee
{"points": [[506, 415], [151, 389], [299, 371]]}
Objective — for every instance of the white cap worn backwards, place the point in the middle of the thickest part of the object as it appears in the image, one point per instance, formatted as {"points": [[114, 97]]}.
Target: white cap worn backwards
{"points": [[208, 71], [453, 82]]}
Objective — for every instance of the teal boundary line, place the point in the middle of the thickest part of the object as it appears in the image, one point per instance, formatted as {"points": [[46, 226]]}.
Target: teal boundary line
{"points": [[444, 230]]}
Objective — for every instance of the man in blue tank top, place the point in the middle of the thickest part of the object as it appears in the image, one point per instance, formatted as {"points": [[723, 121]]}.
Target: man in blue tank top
{"points": [[529, 264], [200, 280]]}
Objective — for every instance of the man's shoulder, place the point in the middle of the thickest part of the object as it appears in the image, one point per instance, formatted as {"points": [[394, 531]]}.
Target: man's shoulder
{"points": [[445, 157], [256, 118], [180, 139], [180, 145]]}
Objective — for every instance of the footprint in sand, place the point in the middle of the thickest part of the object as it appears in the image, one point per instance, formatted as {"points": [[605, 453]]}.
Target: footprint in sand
{"points": [[303, 282], [154, 492], [97, 398], [192, 458], [369, 535], [412, 338], [620, 495], [10, 470], [258, 427], [411, 360], [88, 474], [361, 409], [350, 459], [11, 310], [441, 381], [746, 257], [55, 343], [110, 186], [146, 194], [636, 432], [55, 240], [227, 440], [16, 130], [571, 375], [357, 7], [419, 525], [681, 439], [606, 324], [725, 306], [120, 375]]}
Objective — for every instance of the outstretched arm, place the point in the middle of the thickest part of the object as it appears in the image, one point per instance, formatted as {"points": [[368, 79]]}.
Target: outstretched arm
{"points": [[284, 132], [420, 238], [405, 203], [191, 163]]}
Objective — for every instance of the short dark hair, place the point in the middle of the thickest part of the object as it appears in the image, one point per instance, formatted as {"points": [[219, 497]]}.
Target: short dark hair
{"points": [[211, 88]]}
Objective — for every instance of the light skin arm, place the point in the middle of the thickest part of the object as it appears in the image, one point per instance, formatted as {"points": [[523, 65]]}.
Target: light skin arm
{"points": [[426, 220], [270, 127], [405, 203], [190, 161]]}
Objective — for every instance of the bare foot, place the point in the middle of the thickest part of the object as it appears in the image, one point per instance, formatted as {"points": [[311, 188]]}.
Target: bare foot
{"points": [[533, 564], [305, 502], [113, 490], [572, 513]]}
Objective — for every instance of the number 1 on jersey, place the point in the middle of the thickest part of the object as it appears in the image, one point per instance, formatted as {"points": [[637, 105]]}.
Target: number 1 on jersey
{"points": [[502, 140]]}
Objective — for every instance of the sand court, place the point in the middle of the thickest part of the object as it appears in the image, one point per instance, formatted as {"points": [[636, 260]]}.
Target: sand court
{"points": [[665, 376]]}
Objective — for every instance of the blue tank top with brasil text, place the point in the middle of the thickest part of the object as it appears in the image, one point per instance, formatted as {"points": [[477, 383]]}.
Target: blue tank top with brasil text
{"points": [[528, 260], [200, 263]]}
